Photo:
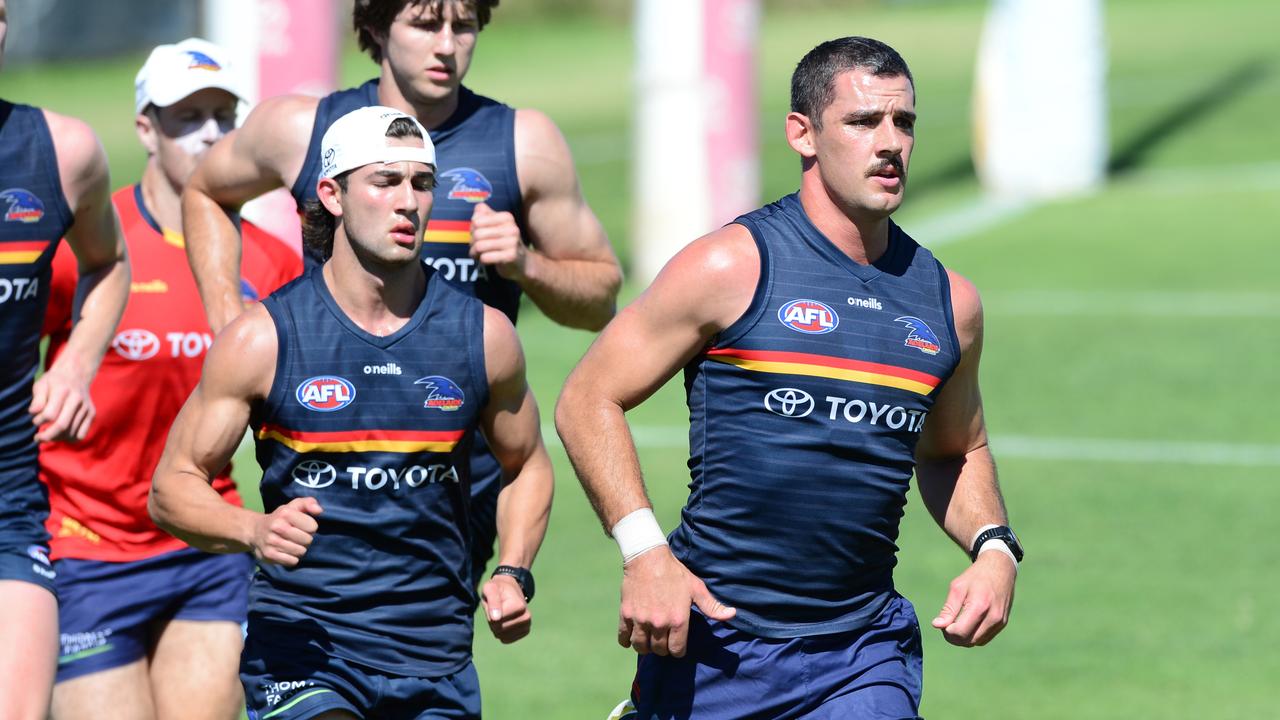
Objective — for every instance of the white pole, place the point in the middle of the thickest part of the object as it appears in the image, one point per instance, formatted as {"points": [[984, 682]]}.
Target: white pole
{"points": [[1040, 104], [695, 147]]}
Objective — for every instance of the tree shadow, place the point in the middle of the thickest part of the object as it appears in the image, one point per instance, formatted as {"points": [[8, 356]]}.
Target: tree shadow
{"points": [[1192, 109]]}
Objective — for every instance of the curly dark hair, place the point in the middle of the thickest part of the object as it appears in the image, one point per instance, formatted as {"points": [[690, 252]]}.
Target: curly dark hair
{"points": [[813, 82], [318, 224], [371, 18]]}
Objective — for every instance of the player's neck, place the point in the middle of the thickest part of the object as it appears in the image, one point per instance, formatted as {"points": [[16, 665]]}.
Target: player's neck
{"points": [[432, 113], [162, 199], [864, 239], [379, 299]]}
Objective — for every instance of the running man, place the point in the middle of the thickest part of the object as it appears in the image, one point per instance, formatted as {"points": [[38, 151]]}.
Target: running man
{"points": [[54, 183], [149, 626], [364, 381], [827, 356], [509, 217]]}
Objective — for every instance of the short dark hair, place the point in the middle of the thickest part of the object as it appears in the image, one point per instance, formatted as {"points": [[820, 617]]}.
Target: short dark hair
{"points": [[318, 224], [371, 18], [813, 82]]}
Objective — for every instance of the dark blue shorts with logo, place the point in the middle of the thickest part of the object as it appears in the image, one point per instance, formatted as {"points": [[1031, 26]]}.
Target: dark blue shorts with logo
{"points": [[287, 678], [24, 505], [874, 673], [108, 612]]}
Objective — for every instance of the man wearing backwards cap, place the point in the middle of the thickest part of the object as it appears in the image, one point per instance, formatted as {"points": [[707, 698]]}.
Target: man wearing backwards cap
{"points": [[146, 621], [53, 184], [509, 221], [364, 381]]}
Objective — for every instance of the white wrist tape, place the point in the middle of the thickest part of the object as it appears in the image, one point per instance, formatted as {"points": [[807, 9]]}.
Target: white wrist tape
{"points": [[637, 533], [993, 544]]}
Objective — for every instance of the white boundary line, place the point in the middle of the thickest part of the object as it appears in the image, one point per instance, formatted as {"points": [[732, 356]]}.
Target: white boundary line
{"points": [[1023, 447]]}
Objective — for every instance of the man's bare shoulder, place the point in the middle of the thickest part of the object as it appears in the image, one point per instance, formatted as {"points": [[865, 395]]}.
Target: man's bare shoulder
{"points": [[543, 160], [279, 131], [82, 163], [242, 360], [966, 308], [710, 282]]}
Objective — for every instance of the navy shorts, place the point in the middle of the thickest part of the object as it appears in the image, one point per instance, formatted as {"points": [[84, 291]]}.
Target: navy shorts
{"points": [[290, 681], [874, 673], [108, 611], [24, 505]]}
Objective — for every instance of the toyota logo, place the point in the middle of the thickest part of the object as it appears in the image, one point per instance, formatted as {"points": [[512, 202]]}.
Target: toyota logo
{"points": [[136, 344], [314, 474], [789, 402]]}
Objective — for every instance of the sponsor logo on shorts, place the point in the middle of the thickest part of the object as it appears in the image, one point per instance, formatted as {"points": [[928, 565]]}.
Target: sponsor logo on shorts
{"points": [[808, 316], [24, 206], [314, 474], [149, 287], [280, 690], [325, 393], [83, 644], [789, 402], [468, 184], [39, 554], [920, 336], [442, 393]]}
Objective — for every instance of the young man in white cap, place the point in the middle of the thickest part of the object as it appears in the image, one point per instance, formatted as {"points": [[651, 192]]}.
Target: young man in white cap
{"points": [[364, 381], [509, 221], [149, 626], [53, 184]]}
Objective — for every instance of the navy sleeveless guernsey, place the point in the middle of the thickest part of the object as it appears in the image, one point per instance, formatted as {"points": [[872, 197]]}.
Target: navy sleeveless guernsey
{"points": [[378, 430], [34, 215], [475, 162], [804, 417]]}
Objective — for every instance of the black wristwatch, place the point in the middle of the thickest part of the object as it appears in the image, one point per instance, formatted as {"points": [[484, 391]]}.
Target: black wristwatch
{"points": [[522, 576], [997, 533]]}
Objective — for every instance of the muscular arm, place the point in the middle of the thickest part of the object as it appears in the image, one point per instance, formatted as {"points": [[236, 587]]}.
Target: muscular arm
{"points": [[511, 426], [956, 475], [237, 373], [60, 397], [266, 153], [570, 271], [701, 291]]}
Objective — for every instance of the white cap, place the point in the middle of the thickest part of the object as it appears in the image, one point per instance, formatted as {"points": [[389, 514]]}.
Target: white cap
{"points": [[172, 72], [360, 138]]}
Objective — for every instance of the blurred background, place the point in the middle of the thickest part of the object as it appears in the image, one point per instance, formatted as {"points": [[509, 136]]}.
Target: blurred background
{"points": [[1132, 335]]}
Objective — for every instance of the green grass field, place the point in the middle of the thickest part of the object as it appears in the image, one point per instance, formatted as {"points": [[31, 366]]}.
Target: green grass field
{"points": [[1130, 361]]}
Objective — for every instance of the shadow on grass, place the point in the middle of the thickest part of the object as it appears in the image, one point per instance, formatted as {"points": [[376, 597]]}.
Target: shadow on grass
{"points": [[1195, 107]]}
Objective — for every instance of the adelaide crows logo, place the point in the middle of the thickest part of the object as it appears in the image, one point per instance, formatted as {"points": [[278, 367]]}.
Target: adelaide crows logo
{"points": [[469, 185], [200, 61], [442, 393], [920, 337], [24, 206]]}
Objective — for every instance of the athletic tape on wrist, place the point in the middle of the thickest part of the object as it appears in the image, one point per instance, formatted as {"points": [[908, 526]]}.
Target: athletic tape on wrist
{"points": [[993, 544], [637, 533]]}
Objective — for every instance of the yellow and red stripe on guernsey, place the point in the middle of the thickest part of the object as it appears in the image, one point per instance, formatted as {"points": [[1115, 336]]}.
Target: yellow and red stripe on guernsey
{"points": [[795, 363], [448, 231], [402, 441], [22, 253]]}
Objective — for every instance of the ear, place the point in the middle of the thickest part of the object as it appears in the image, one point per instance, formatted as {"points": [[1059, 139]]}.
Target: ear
{"points": [[330, 195], [148, 133], [800, 134]]}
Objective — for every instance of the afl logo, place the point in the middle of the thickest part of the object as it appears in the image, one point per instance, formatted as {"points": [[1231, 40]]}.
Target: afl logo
{"points": [[24, 206], [789, 402], [326, 393], [314, 474], [136, 344], [808, 316], [469, 185]]}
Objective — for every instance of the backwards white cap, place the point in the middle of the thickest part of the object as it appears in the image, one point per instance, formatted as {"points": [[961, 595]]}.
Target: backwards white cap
{"points": [[360, 138], [172, 72]]}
